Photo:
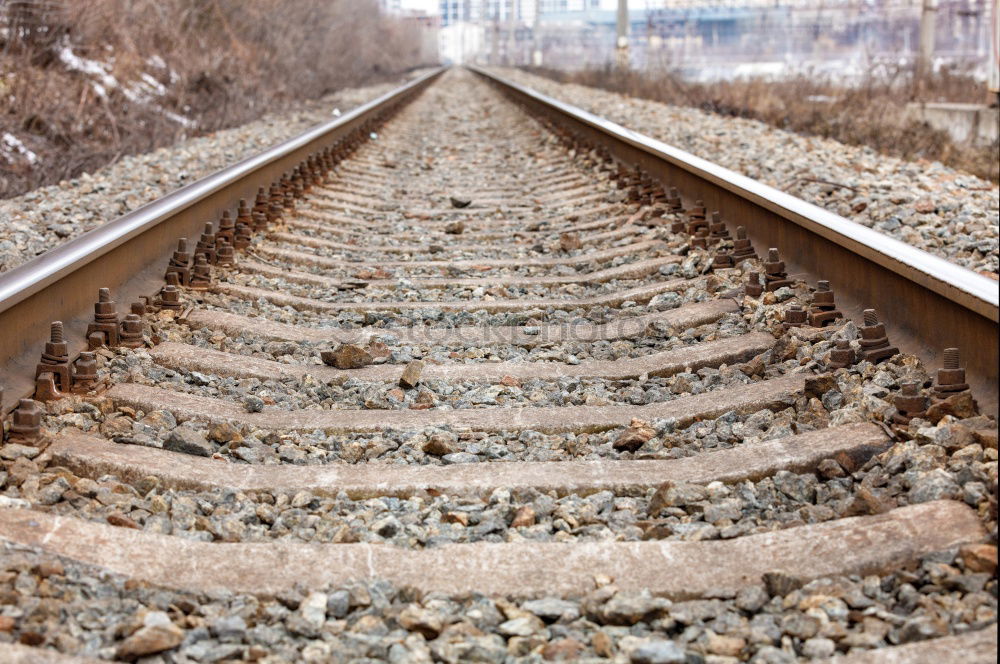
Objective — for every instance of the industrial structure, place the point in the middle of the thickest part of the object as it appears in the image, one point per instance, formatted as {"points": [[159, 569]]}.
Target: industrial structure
{"points": [[723, 38]]}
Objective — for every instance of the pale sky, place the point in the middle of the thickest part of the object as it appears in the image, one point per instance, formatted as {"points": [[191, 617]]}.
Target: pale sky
{"points": [[431, 6]]}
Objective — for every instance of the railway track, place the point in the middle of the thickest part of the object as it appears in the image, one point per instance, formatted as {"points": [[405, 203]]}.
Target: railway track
{"points": [[476, 383]]}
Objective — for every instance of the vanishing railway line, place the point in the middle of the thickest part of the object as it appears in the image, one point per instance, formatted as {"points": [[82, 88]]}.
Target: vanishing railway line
{"points": [[461, 379]]}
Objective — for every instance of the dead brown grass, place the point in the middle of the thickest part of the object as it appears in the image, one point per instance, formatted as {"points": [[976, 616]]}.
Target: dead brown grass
{"points": [[227, 62], [870, 114]]}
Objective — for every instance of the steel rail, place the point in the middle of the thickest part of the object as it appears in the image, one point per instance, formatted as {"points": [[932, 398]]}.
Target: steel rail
{"points": [[130, 253], [927, 303]]}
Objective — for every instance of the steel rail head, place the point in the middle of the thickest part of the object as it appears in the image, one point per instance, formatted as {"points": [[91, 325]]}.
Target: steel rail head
{"points": [[27, 279], [948, 279], [929, 303], [133, 254]]}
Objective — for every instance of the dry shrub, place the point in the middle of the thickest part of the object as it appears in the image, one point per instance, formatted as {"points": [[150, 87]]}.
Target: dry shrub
{"points": [[224, 63], [870, 113]]}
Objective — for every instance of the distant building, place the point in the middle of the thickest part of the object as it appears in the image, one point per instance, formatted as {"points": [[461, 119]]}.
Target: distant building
{"points": [[460, 11], [727, 36]]}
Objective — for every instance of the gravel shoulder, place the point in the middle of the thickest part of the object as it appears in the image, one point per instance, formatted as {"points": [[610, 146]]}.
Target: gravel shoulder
{"points": [[42, 219]]}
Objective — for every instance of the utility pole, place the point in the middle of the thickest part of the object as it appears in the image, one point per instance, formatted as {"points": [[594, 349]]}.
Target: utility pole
{"points": [[621, 44], [495, 34], [509, 54], [993, 79], [536, 37], [925, 64]]}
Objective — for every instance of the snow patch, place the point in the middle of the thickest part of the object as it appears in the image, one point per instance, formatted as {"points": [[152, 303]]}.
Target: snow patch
{"points": [[11, 146], [153, 84], [91, 67], [179, 119], [142, 91]]}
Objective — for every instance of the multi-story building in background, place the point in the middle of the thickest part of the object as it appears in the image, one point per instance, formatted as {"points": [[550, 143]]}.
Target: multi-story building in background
{"points": [[715, 38]]}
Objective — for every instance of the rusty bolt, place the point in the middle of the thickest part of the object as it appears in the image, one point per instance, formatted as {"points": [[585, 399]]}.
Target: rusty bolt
{"points": [[259, 220], [131, 334], [201, 275], [674, 200], [260, 203], [700, 238], [138, 308], [225, 229], [46, 388], [275, 211], [180, 262], [225, 256], [243, 236], [696, 219], [243, 213], [717, 229], [909, 403], [170, 298], [753, 287], [874, 340], [774, 271], [26, 422], [795, 316], [85, 373], [103, 331], [55, 358], [842, 355], [722, 260], [950, 378], [206, 244], [698, 211], [742, 249], [823, 297], [824, 308]]}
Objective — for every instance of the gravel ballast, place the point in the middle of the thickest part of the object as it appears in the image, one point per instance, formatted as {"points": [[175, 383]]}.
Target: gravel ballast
{"points": [[44, 218], [749, 498], [931, 206]]}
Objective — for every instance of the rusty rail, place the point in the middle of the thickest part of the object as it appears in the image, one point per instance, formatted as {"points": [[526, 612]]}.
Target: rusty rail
{"points": [[927, 303], [129, 255]]}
